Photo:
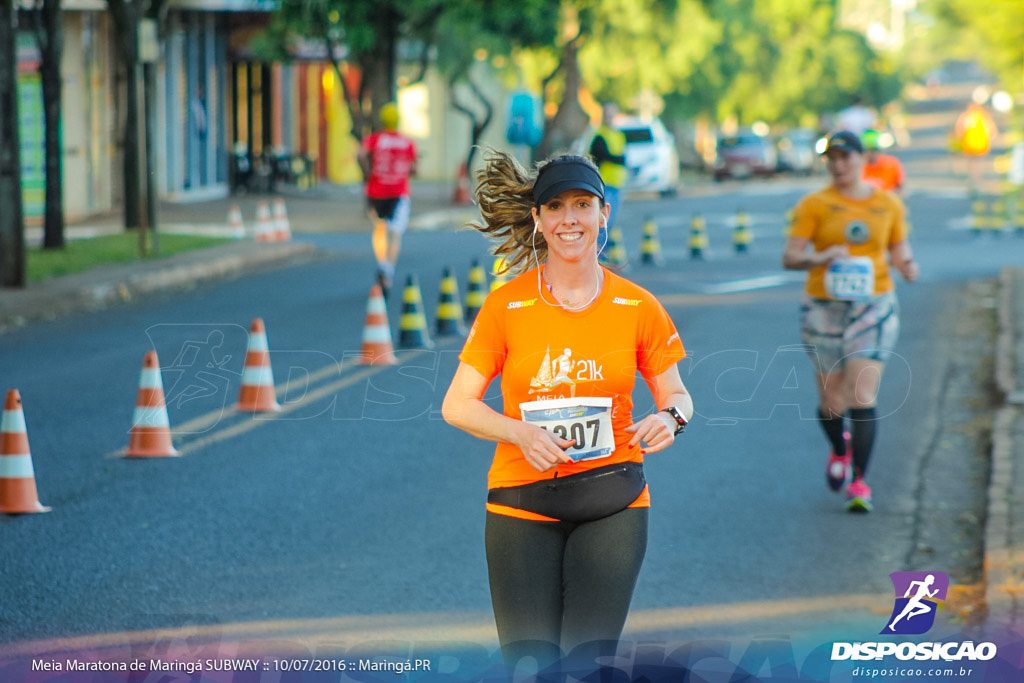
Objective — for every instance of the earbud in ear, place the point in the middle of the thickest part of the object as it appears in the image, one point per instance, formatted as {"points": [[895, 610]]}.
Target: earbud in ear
{"points": [[536, 226]]}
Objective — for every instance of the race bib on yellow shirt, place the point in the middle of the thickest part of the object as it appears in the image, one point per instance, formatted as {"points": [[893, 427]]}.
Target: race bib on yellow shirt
{"points": [[587, 421], [850, 278]]}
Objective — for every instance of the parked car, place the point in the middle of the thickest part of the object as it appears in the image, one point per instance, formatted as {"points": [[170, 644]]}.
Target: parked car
{"points": [[651, 156], [744, 155], [796, 152]]}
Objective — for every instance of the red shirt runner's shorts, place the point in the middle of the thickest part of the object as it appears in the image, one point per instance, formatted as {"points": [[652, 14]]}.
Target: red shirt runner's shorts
{"points": [[391, 157]]}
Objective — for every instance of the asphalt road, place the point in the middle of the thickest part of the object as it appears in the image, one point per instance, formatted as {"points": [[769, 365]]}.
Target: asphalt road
{"points": [[356, 514]]}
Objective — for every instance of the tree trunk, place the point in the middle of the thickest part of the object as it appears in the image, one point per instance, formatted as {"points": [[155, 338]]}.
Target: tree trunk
{"points": [[12, 228], [570, 121], [49, 68], [380, 69], [126, 21]]}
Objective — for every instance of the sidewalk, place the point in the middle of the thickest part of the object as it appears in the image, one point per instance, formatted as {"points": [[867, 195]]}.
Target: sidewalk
{"points": [[322, 209], [1004, 528]]}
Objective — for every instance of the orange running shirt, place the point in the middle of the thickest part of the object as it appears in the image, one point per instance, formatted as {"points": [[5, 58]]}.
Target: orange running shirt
{"points": [[542, 351], [868, 226], [885, 174]]}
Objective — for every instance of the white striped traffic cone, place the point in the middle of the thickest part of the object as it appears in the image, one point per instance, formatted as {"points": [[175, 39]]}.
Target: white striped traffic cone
{"points": [[265, 230], [377, 346], [257, 392], [151, 431], [17, 477], [282, 226], [236, 228]]}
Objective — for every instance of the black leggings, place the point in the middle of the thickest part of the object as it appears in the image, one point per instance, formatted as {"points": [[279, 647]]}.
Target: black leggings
{"points": [[558, 585]]}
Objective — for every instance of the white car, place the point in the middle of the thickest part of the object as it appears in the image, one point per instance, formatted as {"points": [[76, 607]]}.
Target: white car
{"points": [[651, 156]]}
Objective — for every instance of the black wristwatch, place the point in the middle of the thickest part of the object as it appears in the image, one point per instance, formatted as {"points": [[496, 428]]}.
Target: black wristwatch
{"points": [[677, 416]]}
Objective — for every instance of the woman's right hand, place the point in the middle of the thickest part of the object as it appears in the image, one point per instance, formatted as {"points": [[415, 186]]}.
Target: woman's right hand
{"points": [[543, 449], [830, 254]]}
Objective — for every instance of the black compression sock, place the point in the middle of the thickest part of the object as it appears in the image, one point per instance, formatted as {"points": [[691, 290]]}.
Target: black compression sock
{"points": [[863, 437], [833, 428]]}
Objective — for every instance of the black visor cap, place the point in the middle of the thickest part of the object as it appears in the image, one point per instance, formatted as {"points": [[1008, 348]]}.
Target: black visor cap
{"points": [[562, 175]]}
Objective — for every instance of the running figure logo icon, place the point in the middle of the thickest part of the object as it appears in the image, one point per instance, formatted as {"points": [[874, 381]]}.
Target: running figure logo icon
{"points": [[918, 595]]}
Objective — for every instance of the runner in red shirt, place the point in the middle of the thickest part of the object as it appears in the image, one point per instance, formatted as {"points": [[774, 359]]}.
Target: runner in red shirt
{"points": [[388, 159], [568, 503]]}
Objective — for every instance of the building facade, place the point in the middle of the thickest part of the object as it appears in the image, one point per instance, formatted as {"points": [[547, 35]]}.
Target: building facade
{"points": [[215, 99]]}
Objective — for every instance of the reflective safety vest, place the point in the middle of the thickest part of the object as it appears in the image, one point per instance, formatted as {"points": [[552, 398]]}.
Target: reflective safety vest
{"points": [[613, 174]]}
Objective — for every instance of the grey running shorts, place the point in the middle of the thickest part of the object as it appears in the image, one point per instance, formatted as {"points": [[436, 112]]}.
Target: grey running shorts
{"points": [[835, 330]]}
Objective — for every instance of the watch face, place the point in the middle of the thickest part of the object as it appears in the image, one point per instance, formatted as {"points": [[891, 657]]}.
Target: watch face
{"points": [[678, 417]]}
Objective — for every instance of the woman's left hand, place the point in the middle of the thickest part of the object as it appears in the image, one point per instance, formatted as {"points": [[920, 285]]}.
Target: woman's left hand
{"points": [[654, 431]]}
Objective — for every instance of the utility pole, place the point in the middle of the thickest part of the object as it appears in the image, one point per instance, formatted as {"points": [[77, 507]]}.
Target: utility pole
{"points": [[12, 228]]}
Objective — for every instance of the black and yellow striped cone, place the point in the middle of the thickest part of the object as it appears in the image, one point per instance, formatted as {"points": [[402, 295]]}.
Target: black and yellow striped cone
{"points": [[500, 277], [1018, 215], [978, 208], [615, 250], [650, 245], [741, 234], [476, 291], [413, 325], [698, 237], [449, 307], [996, 216]]}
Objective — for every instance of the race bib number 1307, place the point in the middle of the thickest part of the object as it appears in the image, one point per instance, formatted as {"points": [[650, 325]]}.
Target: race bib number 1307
{"points": [[587, 421]]}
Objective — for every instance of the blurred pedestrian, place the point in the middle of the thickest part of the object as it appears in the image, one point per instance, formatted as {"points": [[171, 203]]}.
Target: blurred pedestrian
{"points": [[973, 135], [884, 171], [567, 509], [388, 159], [857, 117], [846, 236], [608, 150]]}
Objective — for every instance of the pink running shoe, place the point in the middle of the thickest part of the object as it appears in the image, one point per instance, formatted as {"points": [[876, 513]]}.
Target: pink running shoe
{"points": [[858, 496], [838, 469]]}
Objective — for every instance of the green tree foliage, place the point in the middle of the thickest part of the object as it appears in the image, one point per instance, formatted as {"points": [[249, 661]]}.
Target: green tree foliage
{"points": [[991, 32], [780, 61], [363, 34], [647, 46], [469, 33], [379, 38]]}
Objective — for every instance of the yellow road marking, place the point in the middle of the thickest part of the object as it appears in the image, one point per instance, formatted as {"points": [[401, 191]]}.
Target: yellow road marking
{"points": [[440, 627], [326, 390], [727, 299], [201, 423]]}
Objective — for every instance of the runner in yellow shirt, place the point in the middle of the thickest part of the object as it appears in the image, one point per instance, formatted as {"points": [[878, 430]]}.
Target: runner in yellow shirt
{"points": [[846, 236]]}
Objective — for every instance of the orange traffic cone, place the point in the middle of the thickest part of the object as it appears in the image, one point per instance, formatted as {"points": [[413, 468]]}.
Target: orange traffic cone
{"points": [[282, 227], [461, 186], [265, 230], [151, 431], [377, 346], [17, 478], [257, 393], [236, 228]]}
